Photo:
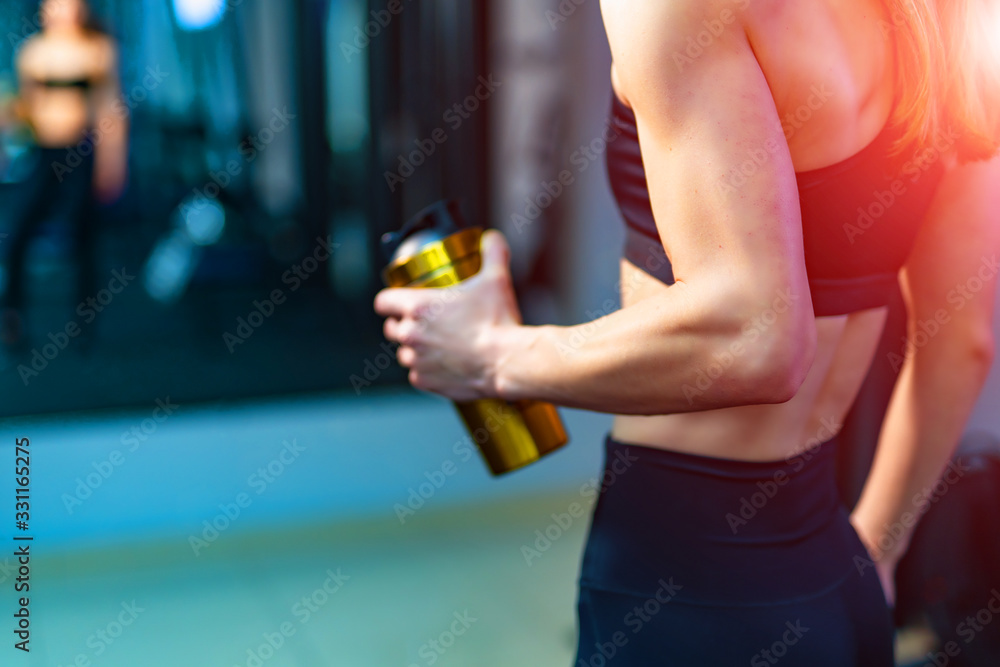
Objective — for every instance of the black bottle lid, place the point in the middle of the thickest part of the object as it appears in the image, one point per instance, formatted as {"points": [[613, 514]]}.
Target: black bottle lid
{"points": [[433, 223]]}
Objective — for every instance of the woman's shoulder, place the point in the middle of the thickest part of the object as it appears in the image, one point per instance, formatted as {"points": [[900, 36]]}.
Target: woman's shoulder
{"points": [[40, 55], [30, 56], [658, 43], [99, 51], [675, 20]]}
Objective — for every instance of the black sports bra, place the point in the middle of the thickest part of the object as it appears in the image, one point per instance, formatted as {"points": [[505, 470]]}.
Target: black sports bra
{"points": [[83, 84], [860, 217]]}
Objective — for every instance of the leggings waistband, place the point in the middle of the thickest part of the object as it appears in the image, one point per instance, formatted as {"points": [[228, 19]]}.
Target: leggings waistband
{"points": [[726, 530]]}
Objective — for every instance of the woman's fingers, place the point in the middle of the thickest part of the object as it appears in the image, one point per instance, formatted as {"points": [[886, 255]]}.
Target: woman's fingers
{"points": [[406, 356], [389, 328], [405, 331], [400, 301]]}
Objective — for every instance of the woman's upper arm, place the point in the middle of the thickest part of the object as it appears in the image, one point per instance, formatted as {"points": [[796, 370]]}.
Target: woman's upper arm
{"points": [[720, 177], [951, 273], [25, 62], [107, 68]]}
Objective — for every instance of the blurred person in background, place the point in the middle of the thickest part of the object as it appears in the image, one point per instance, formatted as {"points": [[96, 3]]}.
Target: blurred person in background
{"points": [[797, 161], [68, 88]]}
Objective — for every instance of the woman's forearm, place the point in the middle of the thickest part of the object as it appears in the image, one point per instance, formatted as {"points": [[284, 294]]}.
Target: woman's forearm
{"points": [[678, 352], [111, 154], [934, 395]]}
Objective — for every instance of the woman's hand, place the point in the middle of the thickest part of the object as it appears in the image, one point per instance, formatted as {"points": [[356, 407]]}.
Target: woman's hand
{"points": [[452, 338], [110, 176], [885, 564]]}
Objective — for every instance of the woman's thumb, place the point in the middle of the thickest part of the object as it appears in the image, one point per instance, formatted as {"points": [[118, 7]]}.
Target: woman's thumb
{"points": [[495, 251]]}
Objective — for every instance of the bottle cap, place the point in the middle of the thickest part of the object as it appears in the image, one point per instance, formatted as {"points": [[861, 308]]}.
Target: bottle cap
{"points": [[437, 221]]}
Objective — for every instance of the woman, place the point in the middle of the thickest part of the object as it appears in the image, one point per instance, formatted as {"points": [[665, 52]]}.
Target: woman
{"points": [[68, 92], [797, 159]]}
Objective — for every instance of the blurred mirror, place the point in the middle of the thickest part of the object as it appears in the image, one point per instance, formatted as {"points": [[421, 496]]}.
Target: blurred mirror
{"points": [[192, 191]]}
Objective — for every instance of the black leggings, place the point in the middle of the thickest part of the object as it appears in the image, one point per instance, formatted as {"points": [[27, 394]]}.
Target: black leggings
{"points": [[60, 177], [696, 561]]}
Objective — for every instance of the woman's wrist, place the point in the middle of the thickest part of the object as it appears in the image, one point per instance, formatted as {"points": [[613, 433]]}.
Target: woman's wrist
{"points": [[511, 346], [884, 547]]}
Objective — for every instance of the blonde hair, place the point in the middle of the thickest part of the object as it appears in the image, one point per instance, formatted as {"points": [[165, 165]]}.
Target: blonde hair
{"points": [[949, 73]]}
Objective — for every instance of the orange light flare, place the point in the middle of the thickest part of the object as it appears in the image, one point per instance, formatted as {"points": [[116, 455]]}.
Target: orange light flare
{"points": [[993, 41]]}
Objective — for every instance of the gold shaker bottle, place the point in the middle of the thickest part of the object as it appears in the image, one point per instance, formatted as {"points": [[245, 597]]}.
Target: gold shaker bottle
{"points": [[436, 248]]}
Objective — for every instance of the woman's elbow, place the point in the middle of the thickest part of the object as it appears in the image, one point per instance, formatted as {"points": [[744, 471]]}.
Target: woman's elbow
{"points": [[786, 356], [966, 345], [977, 350]]}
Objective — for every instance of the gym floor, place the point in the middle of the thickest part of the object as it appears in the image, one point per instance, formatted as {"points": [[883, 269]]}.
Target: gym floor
{"points": [[351, 595], [380, 595], [325, 568]]}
